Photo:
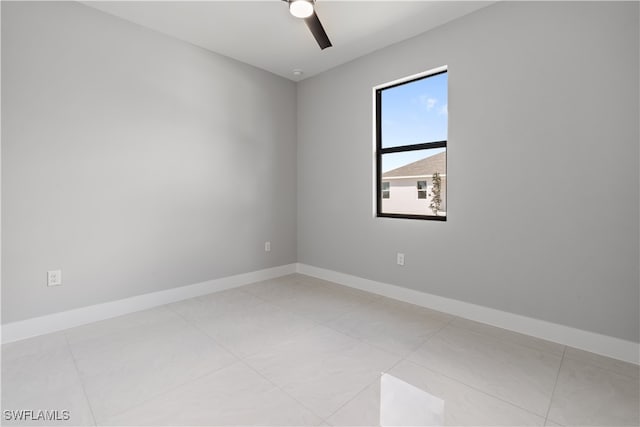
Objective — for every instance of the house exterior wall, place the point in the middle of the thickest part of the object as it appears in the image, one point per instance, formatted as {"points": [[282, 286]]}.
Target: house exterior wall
{"points": [[403, 197]]}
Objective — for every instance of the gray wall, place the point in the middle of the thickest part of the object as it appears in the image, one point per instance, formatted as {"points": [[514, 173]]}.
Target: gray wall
{"points": [[134, 162], [542, 166]]}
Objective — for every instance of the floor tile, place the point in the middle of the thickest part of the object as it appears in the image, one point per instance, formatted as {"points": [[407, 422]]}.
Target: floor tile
{"points": [[281, 288], [526, 340], [235, 395], [463, 405], [40, 374], [323, 369], [391, 325], [121, 368], [312, 350], [54, 343], [588, 395], [332, 285], [247, 331], [515, 373], [323, 303], [618, 366], [155, 322], [214, 305]]}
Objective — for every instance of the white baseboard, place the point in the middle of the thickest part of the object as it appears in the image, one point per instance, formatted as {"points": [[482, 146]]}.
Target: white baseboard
{"points": [[67, 319], [616, 348]]}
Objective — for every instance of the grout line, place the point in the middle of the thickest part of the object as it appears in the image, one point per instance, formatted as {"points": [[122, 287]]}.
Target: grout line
{"points": [[369, 302], [243, 361], [438, 332], [282, 390], [555, 384], [84, 391], [604, 367], [154, 396], [433, 335], [175, 387], [402, 359], [323, 324], [318, 324], [479, 390], [279, 306], [457, 380], [371, 299], [367, 386], [382, 300], [507, 338], [473, 386]]}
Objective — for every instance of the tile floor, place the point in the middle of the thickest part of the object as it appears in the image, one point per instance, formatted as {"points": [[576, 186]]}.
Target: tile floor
{"points": [[301, 351]]}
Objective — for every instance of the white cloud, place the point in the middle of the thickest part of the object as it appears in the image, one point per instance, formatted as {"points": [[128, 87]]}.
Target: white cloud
{"points": [[444, 110], [428, 102]]}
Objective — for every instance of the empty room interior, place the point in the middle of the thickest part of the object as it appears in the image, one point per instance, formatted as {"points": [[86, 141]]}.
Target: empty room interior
{"points": [[320, 213]]}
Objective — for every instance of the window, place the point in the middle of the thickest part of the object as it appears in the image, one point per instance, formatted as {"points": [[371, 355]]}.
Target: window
{"points": [[411, 147], [422, 189], [386, 192]]}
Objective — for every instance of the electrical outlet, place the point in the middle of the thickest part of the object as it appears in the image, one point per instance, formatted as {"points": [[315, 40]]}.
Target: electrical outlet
{"points": [[267, 246], [400, 259], [54, 278]]}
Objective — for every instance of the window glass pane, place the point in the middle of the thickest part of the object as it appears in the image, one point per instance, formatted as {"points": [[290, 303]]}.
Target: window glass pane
{"points": [[416, 112], [405, 173], [385, 190]]}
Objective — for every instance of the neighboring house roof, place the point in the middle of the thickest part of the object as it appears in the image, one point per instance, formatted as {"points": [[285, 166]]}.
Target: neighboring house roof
{"points": [[423, 167]]}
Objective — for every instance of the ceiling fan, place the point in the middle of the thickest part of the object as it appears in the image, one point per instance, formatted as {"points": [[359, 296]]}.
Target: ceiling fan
{"points": [[304, 9]]}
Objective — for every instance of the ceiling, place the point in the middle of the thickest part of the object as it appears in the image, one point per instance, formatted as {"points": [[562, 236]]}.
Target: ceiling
{"points": [[264, 34]]}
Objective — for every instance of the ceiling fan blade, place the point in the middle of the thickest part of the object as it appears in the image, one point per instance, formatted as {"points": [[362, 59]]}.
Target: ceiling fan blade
{"points": [[316, 28]]}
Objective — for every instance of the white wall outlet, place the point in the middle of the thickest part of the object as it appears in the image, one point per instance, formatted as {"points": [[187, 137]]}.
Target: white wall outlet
{"points": [[400, 259], [54, 278], [267, 246]]}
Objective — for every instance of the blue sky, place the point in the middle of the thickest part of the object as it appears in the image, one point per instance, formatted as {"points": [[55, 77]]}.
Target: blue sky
{"points": [[414, 113]]}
